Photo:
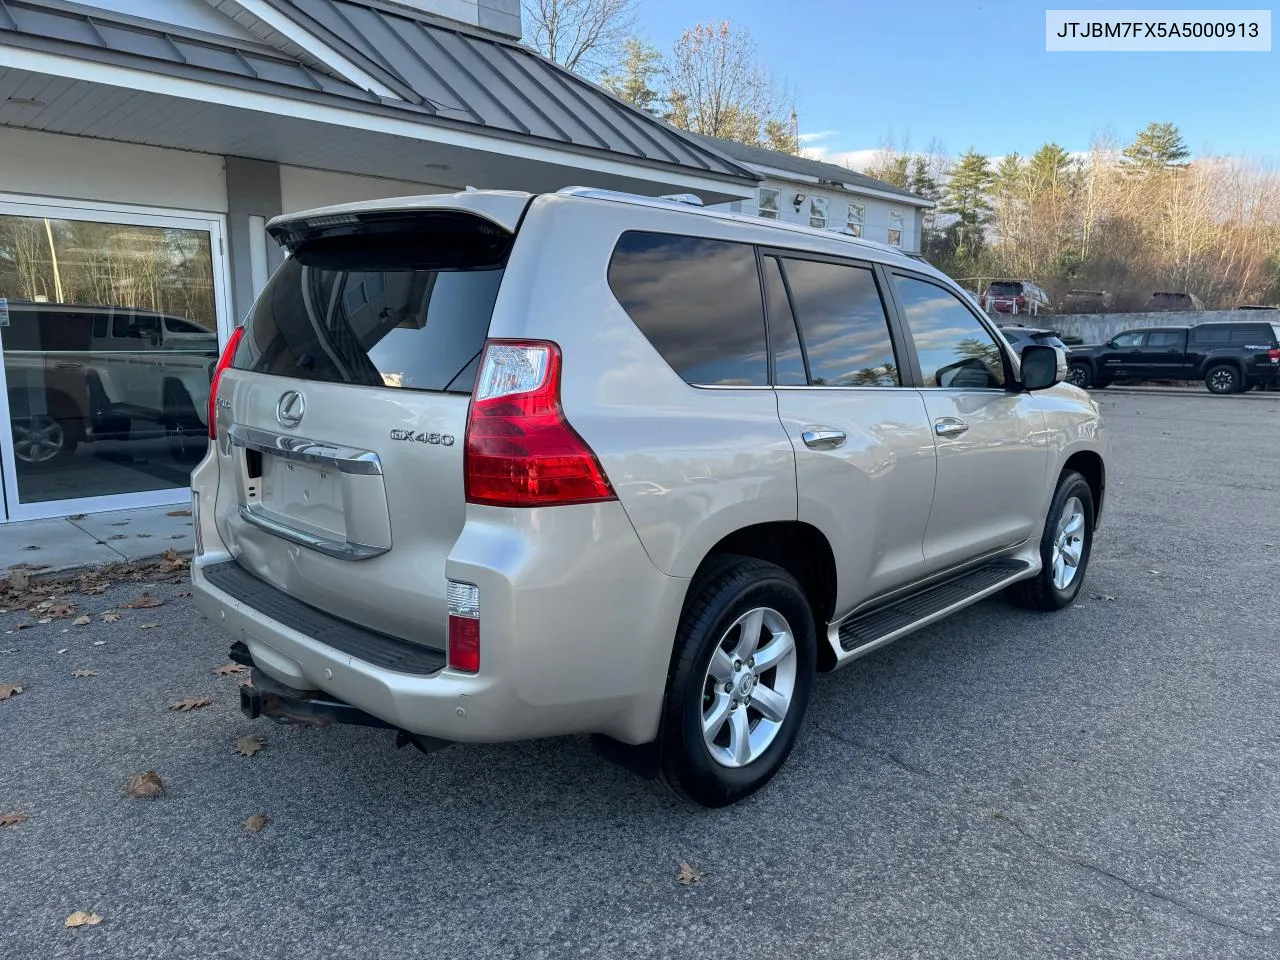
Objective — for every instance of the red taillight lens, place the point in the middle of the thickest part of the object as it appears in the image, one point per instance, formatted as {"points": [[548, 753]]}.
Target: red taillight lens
{"points": [[1022, 301], [1274, 354], [464, 644], [520, 450], [224, 361]]}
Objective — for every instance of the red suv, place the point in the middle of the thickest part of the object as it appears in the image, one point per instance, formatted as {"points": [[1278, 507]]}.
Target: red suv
{"points": [[1015, 297]]}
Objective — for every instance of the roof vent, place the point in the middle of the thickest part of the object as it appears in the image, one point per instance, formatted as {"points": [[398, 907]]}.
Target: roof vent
{"points": [[688, 198]]}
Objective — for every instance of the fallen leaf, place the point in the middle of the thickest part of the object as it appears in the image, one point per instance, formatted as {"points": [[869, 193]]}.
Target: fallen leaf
{"points": [[43, 620], [99, 643], [143, 601], [184, 593], [82, 621], [178, 513], [229, 669], [31, 546], [58, 610], [77, 516], [110, 616], [82, 919], [64, 650], [148, 626], [23, 626], [191, 703], [146, 785], [247, 746], [116, 536], [84, 673], [687, 875], [7, 690], [19, 579], [1154, 573], [255, 822], [1103, 596], [13, 819], [144, 536]]}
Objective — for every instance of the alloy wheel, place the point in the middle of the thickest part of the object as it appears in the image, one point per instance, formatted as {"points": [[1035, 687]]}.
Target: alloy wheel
{"points": [[1068, 544], [38, 439]]}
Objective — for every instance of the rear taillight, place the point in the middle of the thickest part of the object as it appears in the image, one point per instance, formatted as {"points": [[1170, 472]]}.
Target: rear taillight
{"points": [[1274, 354], [520, 450], [464, 626], [224, 361], [1021, 301]]}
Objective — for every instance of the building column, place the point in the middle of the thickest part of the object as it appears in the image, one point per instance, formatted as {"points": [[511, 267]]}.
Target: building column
{"points": [[253, 198]]}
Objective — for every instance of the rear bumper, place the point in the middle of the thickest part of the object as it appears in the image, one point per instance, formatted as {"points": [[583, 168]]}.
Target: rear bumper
{"points": [[575, 636]]}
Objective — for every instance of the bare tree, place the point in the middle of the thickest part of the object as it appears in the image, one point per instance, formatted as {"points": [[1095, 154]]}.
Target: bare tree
{"points": [[718, 86], [582, 35]]}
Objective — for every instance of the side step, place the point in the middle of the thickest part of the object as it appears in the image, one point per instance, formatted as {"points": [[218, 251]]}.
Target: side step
{"points": [[883, 623]]}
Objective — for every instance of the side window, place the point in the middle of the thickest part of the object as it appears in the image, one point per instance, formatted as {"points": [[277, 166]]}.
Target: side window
{"points": [[895, 229], [788, 361], [1244, 335], [818, 212], [1164, 338], [844, 325], [856, 219], [1133, 338], [697, 302], [953, 348], [767, 206]]}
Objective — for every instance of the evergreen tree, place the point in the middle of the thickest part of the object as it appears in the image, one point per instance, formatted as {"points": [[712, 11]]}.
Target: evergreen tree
{"points": [[637, 75], [1158, 146]]}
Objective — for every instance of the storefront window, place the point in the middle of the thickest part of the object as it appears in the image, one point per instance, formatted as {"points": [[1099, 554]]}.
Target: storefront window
{"points": [[109, 334]]}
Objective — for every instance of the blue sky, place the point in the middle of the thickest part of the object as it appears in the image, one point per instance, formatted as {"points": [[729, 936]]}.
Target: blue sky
{"points": [[977, 74]]}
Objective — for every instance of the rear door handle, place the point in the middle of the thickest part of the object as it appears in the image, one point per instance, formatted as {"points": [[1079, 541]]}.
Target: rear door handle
{"points": [[823, 438], [949, 427]]}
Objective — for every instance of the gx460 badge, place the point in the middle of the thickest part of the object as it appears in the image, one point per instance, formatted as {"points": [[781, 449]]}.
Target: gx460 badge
{"points": [[443, 439]]}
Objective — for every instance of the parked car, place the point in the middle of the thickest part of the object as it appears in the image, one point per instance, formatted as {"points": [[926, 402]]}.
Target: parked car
{"points": [[1256, 306], [1087, 301], [77, 374], [1163, 300], [1230, 357], [474, 492], [1020, 337], [1015, 297]]}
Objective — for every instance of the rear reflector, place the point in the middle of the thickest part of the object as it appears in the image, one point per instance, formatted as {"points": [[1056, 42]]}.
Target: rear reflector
{"points": [[224, 361], [520, 450], [464, 626]]}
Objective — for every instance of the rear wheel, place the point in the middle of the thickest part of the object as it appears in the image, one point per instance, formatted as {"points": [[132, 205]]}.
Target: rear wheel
{"points": [[742, 672], [1065, 546], [41, 441], [1222, 379]]}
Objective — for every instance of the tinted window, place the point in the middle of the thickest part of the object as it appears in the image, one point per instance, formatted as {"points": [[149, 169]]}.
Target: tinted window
{"points": [[378, 310], [1005, 289], [698, 302], [1131, 339], [788, 361], [953, 348], [1250, 335], [1164, 338], [1207, 334], [843, 322], [46, 329]]}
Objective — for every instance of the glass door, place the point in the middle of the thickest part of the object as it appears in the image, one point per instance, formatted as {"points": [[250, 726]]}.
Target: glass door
{"points": [[109, 327]]}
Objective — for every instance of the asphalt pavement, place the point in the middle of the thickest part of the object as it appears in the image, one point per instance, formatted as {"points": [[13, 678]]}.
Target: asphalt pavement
{"points": [[1103, 782]]}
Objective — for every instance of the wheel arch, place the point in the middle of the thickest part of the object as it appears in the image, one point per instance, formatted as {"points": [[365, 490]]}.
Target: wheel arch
{"points": [[1090, 465]]}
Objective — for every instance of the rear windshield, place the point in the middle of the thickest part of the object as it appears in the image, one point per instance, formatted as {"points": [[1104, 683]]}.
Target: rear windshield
{"points": [[407, 309], [1005, 289]]}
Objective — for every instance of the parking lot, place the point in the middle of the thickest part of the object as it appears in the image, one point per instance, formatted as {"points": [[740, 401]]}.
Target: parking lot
{"points": [[1104, 782]]}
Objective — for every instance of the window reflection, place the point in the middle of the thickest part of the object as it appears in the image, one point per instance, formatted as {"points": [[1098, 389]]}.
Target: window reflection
{"points": [[953, 348]]}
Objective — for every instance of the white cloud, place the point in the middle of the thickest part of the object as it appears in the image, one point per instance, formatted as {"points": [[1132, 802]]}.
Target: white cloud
{"points": [[819, 135], [854, 159]]}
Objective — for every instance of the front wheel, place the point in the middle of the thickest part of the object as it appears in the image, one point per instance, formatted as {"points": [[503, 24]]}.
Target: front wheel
{"points": [[1222, 379], [1065, 547], [1080, 375], [42, 441], [742, 672]]}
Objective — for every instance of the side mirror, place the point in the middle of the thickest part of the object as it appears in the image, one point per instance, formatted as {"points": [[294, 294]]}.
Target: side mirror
{"points": [[1042, 367], [1111, 344]]}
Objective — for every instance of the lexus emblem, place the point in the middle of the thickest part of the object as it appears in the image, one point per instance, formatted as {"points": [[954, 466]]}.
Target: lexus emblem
{"points": [[290, 408]]}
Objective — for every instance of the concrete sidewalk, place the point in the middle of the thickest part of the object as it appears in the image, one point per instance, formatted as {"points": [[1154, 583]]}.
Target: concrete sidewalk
{"points": [[88, 540]]}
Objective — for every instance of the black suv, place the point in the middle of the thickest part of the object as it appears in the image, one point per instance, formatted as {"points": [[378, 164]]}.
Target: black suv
{"points": [[1228, 357]]}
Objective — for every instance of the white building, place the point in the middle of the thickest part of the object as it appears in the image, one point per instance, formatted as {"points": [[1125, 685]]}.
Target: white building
{"points": [[145, 143], [824, 195]]}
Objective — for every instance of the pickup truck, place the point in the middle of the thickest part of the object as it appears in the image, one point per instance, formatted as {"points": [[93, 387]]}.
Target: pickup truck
{"points": [[1230, 357]]}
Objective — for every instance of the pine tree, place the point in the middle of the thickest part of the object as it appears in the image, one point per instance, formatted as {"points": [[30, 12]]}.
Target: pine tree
{"points": [[967, 189], [1158, 146], [637, 76], [921, 182]]}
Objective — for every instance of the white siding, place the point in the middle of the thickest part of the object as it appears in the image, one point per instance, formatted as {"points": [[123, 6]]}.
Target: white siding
{"points": [[875, 223], [302, 188], [81, 168]]}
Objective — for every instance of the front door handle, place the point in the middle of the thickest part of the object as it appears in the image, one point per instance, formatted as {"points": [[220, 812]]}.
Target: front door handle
{"points": [[949, 427], [823, 438]]}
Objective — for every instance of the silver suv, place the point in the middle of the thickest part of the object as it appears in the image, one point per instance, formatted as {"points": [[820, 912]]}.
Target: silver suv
{"points": [[492, 466]]}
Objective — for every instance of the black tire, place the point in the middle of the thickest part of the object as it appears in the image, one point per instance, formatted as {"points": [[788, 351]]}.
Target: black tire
{"points": [[1040, 592], [1222, 379], [188, 437], [731, 587], [1080, 375]]}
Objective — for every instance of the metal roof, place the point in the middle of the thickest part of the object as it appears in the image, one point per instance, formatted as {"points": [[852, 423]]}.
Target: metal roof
{"points": [[759, 156], [446, 75]]}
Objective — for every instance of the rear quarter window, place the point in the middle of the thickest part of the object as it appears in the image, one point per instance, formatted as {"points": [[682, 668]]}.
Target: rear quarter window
{"points": [[698, 302]]}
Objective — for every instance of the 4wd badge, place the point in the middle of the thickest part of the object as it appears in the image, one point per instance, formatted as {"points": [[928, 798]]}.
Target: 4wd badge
{"points": [[443, 439]]}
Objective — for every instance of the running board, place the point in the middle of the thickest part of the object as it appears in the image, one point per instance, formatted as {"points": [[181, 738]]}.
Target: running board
{"points": [[863, 632]]}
